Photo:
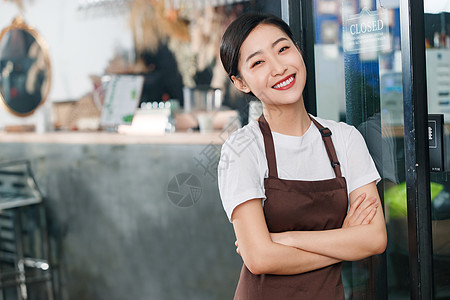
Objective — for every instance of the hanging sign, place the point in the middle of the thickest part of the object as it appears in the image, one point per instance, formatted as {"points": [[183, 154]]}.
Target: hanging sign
{"points": [[365, 32]]}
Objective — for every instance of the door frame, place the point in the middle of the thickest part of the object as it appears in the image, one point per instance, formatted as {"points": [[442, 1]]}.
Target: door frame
{"points": [[417, 164], [300, 17]]}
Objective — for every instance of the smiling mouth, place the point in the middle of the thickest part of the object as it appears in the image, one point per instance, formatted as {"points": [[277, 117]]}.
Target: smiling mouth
{"points": [[285, 83]]}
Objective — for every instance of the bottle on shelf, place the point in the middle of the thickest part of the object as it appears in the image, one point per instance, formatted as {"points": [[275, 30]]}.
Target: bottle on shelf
{"points": [[437, 40]]}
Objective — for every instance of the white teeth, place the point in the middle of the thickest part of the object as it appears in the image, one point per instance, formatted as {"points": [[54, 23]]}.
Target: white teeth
{"points": [[284, 83]]}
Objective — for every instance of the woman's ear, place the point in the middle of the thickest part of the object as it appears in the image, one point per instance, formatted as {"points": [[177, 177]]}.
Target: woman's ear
{"points": [[240, 84]]}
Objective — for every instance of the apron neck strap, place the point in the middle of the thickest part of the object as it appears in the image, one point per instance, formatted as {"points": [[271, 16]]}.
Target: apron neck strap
{"points": [[269, 146], [326, 137]]}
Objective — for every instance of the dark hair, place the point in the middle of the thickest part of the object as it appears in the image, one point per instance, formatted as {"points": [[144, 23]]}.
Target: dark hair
{"points": [[237, 32]]}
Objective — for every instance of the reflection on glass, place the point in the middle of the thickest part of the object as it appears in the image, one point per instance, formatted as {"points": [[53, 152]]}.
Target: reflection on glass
{"points": [[24, 70]]}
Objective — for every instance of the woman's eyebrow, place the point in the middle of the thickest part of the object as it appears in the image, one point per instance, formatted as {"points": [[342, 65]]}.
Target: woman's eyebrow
{"points": [[252, 55], [259, 51], [279, 40]]}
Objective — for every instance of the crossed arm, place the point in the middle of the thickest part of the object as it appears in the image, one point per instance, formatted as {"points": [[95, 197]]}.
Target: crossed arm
{"points": [[363, 234]]}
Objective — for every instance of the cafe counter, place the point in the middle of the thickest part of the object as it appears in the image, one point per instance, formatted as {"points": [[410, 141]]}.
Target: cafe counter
{"points": [[132, 217]]}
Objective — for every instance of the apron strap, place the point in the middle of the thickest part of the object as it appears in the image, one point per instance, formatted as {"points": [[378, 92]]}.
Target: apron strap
{"points": [[326, 137], [269, 147]]}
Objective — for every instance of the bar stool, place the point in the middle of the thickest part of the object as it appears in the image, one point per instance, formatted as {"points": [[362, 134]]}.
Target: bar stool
{"points": [[25, 271]]}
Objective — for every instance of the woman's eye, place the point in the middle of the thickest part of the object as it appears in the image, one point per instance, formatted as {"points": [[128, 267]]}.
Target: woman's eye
{"points": [[256, 63], [283, 49]]}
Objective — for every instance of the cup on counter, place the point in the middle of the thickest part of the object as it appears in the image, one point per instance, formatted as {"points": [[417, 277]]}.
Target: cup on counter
{"points": [[202, 98], [205, 122]]}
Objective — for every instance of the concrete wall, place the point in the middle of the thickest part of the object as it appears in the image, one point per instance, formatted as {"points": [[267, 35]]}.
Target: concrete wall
{"points": [[115, 232]]}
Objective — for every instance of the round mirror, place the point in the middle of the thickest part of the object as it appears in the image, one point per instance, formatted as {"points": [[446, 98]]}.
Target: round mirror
{"points": [[25, 73]]}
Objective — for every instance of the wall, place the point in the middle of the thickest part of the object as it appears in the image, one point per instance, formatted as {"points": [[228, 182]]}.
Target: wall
{"points": [[79, 43]]}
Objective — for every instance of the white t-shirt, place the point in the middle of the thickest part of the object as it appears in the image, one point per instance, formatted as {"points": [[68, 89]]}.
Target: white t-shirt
{"points": [[243, 164]]}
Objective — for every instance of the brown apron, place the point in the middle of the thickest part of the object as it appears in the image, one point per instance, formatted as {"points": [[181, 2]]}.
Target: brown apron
{"points": [[299, 205]]}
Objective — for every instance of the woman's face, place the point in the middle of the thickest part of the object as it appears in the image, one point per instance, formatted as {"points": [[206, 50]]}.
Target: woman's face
{"points": [[271, 66]]}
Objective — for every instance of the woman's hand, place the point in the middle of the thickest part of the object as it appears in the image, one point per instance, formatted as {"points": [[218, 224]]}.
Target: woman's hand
{"points": [[362, 211]]}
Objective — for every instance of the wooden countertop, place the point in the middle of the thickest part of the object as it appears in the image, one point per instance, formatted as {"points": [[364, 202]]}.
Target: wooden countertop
{"points": [[181, 138]]}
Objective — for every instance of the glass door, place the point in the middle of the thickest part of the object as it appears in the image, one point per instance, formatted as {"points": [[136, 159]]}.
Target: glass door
{"points": [[359, 78], [369, 64], [358, 72], [383, 66]]}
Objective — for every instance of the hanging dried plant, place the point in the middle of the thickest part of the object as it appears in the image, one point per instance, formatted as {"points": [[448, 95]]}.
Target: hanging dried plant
{"points": [[151, 23]]}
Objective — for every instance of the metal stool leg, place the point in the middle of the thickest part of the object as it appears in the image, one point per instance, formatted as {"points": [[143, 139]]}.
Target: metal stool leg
{"points": [[21, 279]]}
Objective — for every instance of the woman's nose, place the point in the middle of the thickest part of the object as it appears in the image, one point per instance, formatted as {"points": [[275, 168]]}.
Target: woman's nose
{"points": [[278, 67]]}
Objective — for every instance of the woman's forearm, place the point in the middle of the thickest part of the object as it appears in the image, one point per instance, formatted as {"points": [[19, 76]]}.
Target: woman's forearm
{"points": [[350, 244], [279, 259], [261, 255]]}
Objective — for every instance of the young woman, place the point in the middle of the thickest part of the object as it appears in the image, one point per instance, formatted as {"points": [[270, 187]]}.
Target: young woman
{"points": [[287, 180]]}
